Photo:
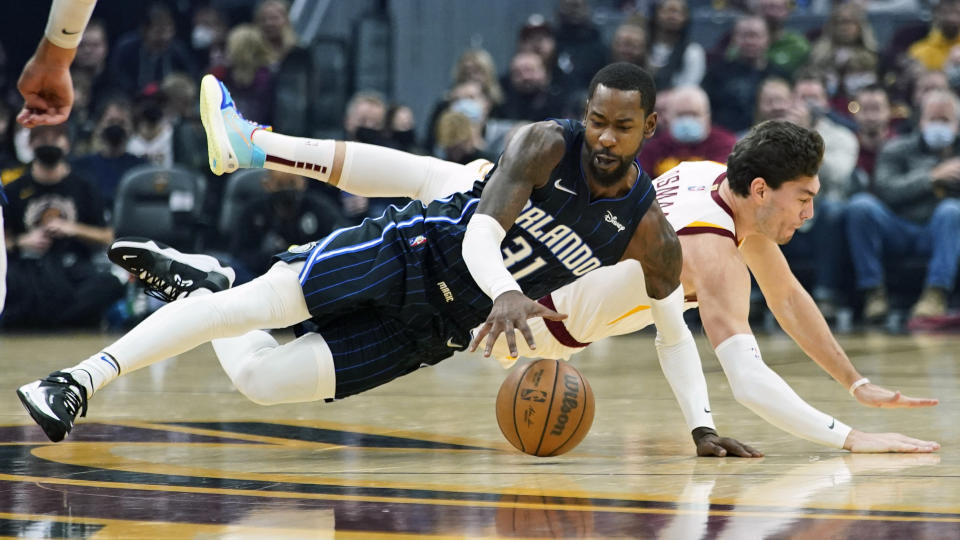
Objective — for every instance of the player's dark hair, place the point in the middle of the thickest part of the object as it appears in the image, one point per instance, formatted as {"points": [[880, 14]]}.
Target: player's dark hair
{"points": [[775, 150], [626, 76]]}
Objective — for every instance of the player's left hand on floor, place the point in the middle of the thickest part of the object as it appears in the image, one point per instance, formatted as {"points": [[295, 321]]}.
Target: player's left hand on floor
{"points": [[717, 446], [872, 395], [509, 313], [873, 443]]}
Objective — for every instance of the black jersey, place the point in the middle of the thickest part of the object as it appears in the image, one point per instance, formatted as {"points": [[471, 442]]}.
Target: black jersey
{"points": [[394, 293]]}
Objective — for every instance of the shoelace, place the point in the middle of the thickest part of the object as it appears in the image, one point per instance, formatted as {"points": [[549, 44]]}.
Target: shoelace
{"points": [[73, 400], [160, 288]]}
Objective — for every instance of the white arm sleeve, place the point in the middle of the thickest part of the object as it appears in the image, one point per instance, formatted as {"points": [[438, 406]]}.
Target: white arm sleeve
{"points": [[67, 21], [680, 360], [760, 389], [482, 255]]}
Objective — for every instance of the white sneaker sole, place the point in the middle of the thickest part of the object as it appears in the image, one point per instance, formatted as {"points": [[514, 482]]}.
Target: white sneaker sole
{"points": [[219, 153], [204, 263]]}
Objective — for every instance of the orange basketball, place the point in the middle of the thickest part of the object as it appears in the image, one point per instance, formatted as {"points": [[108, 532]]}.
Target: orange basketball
{"points": [[545, 408]]}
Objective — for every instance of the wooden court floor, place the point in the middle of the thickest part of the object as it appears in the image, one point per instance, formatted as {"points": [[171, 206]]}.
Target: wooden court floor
{"points": [[172, 451]]}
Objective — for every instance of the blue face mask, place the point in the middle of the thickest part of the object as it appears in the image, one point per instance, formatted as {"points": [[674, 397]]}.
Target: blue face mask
{"points": [[687, 129], [470, 108], [937, 135]]}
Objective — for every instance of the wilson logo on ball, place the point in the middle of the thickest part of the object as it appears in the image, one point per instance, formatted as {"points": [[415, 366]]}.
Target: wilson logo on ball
{"points": [[572, 385]]}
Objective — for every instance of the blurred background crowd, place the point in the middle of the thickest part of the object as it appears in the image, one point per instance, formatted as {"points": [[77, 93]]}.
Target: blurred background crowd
{"points": [[878, 79]]}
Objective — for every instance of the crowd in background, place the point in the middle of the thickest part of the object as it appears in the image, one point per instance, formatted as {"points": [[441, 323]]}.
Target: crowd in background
{"points": [[887, 218]]}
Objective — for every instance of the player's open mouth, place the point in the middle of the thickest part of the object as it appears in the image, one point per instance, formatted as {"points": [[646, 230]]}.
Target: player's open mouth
{"points": [[605, 162]]}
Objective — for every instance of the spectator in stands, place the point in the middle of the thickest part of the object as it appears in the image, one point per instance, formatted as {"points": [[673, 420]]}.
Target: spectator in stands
{"points": [[456, 138], [91, 60], [152, 137], [477, 65], [208, 38], [365, 121], [788, 49], [872, 114], [537, 36], [54, 225], [733, 82], [840, 144], [288, 214], [111, 160], [401, 126], [527, 94], [630, 43], [580, 48], [8, 157], [913, 210], [775, 101], [295, 108], [932, 51], [247, 72], [925, 81], [151, 54], [846, 53], [180, 108], [675, 58], [690, 135]]}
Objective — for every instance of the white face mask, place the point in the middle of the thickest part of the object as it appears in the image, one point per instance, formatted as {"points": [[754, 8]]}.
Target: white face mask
{"points": [[687, 129], [202, 36], [938, 135], [21, 145]]}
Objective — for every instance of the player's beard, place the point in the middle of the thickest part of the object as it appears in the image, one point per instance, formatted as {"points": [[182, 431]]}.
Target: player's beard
{"points": [[611, 177]]}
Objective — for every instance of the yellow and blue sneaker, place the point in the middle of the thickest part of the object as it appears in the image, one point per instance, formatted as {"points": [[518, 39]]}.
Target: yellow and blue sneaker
{"points": [[229, 135]]}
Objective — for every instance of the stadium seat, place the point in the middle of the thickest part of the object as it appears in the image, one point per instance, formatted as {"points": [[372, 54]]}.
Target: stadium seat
{"points": [[242, 187], [161, 203]]}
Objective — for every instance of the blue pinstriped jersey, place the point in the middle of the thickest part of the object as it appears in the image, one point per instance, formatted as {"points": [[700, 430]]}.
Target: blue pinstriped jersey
{"points": [[562, 233]]}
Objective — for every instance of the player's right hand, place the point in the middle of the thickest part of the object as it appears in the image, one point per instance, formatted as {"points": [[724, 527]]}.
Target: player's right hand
{"points": [[860, 442], [509, 313], [46, 87]]}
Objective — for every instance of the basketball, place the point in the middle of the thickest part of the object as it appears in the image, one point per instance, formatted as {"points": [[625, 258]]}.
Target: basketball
{"points": [[545, 408]]}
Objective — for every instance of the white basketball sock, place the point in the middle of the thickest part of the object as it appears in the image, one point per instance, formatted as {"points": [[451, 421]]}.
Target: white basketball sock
{"points": [[268, 373], [95, 372], [367, 170]]}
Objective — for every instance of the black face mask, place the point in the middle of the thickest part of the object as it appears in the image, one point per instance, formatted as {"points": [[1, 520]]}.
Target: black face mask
{"points": [[405, 138], [153, 114], [48, 155], [114, 135], [286, 199], [369, 136]]}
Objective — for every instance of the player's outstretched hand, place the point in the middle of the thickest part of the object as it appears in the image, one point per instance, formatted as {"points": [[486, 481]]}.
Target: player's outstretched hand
{"points": [[46, 86], [860, 442], [872, 395], [713, 445], [509, 313]]}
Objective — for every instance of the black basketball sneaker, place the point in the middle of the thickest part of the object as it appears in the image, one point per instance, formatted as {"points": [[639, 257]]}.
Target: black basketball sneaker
{"points": [[167, 273], [54, 403]]}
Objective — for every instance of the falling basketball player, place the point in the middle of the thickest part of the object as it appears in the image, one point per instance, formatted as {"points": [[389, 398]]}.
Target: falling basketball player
{"points": [[776, 165], [405, 289]]}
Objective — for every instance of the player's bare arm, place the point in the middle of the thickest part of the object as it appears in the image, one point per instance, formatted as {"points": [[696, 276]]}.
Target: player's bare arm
{"points": [[525, 165], [656, 246], [799, 316]]}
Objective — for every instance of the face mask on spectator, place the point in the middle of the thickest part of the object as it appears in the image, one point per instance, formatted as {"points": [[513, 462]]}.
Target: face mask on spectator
{"points": [[369, 136], [114, 134], [855, 81], [938, 135], [470, 108], [687, 129], [48, 155], [405, 138], [202, 36]]}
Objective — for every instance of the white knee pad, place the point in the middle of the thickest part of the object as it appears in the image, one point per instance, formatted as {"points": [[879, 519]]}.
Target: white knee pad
{"points": [[296, 372]]}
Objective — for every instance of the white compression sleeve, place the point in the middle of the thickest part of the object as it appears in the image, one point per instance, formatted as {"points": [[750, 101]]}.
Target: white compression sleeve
{"points": [[367, 170], [482, 255], [680, 360], [67, 21], [761, 390], [268, 373]]}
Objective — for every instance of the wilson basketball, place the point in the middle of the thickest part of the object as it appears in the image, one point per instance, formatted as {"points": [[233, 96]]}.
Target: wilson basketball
{"points": [[545, 408]]}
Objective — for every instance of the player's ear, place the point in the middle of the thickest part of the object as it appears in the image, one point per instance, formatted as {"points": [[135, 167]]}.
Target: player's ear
{"points": [[650, 125], [759, 187]]}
